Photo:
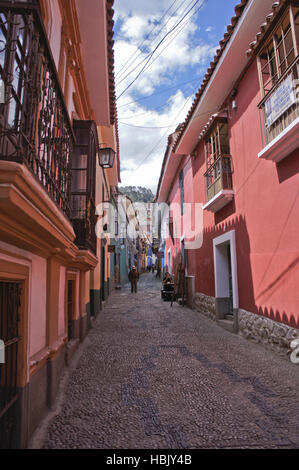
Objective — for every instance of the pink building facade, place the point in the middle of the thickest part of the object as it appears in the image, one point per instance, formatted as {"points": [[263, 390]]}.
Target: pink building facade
{"points": [[57, 116], [237, 154]]}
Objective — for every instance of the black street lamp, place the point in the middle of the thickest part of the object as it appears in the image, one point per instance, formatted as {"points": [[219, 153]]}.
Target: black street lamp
{"points": [[106, 157]]}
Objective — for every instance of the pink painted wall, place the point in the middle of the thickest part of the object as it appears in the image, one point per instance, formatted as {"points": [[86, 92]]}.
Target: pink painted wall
{"points": [[175, 198], [36, 303], [174, 244], [61, 316], [267, 198], [264, 214], [203, 257]]}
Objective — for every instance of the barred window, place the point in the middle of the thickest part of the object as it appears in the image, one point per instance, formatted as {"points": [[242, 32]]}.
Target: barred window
{"points": [[218, 160], [217, 142]]}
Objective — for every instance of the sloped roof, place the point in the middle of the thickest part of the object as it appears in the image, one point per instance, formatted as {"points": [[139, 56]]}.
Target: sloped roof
{"points": [[265, 27], [112, 91], [230, 28], [110, 41]]}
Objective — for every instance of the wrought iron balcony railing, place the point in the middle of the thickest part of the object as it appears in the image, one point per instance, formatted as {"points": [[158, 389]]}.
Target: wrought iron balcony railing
{"points": [[219, 176], [280, 107], [84, 220], [35, 129]]}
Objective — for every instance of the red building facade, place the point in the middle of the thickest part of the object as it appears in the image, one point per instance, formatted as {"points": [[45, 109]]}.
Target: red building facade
{"points": [[238, 152]]}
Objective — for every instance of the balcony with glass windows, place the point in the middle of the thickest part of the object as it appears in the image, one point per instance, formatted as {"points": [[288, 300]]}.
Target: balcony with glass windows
{"points": [[219, 184], [218, 176], [35, 129], [83, 209], [279, 76]]}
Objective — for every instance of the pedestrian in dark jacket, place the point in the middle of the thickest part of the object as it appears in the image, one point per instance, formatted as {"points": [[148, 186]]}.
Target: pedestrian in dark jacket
{"points": [[133, 278]]}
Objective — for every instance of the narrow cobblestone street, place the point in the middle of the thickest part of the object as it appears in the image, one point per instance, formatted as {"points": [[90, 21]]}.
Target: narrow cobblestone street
{"points": [[152, 376]]}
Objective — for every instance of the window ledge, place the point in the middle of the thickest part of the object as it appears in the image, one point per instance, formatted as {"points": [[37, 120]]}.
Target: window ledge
{"points": [[220, 200], [283, 145]]}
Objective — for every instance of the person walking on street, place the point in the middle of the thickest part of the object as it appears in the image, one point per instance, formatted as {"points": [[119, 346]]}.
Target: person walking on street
{"points": [[133, 278], [158, 270]]}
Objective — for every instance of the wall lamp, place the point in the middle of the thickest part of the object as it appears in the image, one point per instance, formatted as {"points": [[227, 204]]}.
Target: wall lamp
{"points": [[106, 157]]}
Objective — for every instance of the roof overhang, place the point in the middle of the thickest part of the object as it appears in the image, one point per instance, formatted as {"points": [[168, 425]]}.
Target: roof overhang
{"points": [[230, 66], [169, 168]]}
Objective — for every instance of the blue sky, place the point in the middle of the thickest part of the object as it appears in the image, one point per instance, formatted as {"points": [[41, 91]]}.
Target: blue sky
{"points": [[150, 108]]}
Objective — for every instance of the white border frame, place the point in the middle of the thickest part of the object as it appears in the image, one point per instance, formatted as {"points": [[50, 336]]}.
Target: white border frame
{"points": [[220, 268]]}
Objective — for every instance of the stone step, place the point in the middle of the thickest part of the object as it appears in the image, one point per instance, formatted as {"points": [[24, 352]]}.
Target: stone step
{"points": [[226, 324], [229, 316]]}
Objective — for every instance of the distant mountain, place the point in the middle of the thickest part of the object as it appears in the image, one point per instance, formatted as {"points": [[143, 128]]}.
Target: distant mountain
{"points": [[137, 193]]}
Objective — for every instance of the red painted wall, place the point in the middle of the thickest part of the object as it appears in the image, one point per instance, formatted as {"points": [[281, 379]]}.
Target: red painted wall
{"points": [[175, 198], [266, 197], [264, 214]]}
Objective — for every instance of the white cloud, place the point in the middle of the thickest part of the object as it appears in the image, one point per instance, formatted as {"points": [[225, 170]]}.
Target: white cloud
{"points": [[134, 28], [176, 53], [182, 51], [142, 7], [142, 150]]}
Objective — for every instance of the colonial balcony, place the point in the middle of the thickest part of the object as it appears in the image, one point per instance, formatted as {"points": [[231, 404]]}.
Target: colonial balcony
{"points": [[83, 212], [35, 129], [219, 184], [84, 219], [280, 114]]}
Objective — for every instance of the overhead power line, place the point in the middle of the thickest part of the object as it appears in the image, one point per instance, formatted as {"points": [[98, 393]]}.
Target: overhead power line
{"points": [[158, 45], [161, 139], [158, 93], [124, 68], [133, 116], [172, 37], [170, 125], [148, 127], [122, 77], [150, 55]]}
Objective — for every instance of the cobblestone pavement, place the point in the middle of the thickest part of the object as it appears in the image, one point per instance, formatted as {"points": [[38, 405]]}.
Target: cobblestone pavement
{"points": [[151, 376]]}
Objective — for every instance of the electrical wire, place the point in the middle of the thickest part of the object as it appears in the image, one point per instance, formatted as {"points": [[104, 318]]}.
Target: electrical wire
{"points": [[124, 68], [121, 71], [149, 54], [157, 93], [175, 35], [133, 116], [171, 125], [148, 127], [160, 140], [158, 45], [148, 57]]}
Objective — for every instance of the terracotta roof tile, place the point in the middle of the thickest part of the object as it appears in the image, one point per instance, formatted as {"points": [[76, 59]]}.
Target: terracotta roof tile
{"points": [[230, 28], [110, 42], [265, 26], [112, 93]]}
